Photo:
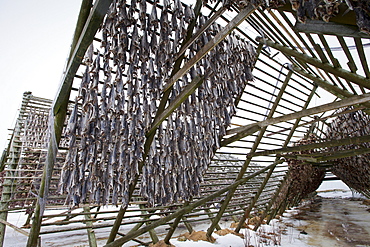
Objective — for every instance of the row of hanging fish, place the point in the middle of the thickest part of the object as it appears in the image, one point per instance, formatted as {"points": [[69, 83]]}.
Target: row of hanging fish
{"points": [[302, 178], [119, 95], [354, 170], [25, 164], [326, 9], [35, 128]]}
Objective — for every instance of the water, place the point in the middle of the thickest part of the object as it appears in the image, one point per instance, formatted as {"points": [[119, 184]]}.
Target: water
{"points": [[336, 222]]}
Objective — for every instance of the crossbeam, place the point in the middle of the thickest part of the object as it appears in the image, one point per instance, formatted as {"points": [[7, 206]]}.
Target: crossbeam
{"points": [[329, 28], [243, 131], [332, 143], [345, 74], [335, 90]]}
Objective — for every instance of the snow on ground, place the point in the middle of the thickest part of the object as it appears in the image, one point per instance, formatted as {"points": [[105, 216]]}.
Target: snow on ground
{"points": [[286, 231], [341, 190], [288, 236]]}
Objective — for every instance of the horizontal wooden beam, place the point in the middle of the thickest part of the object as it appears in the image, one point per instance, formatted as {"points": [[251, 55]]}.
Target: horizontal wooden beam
{"points": [[330, 28], [345, 74], [328, 156], [241, 132], [335, 90], [331, 143]]}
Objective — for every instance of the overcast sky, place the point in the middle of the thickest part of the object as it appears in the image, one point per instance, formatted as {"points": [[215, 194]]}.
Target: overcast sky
{"points": [[35, 41]]}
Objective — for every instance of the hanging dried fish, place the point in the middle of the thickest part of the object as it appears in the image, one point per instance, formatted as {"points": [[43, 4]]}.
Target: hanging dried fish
{"points": [[89, 55], [142, 7], [153, 19], [116, 115], [134, 46], [166, 5], [178, 9], [144, 47], [189, 14]]}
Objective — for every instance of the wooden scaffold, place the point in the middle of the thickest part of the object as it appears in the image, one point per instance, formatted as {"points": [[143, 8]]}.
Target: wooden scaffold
{"points": [[179, 114]]}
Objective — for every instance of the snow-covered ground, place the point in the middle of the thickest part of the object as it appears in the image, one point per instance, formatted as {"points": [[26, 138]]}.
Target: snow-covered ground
{"points": [[288, 231]]}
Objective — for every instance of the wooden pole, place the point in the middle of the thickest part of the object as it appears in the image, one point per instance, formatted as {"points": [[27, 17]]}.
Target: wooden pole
{"points": [[332, 143], [174, 226], [355, 78], [187, 224], [200, 31], [329, 156], [335, 90], [82, 18], [188, 90], [271, 202], [152, 233], [16, 228], [93, 22], [90, 231], [211, 44], [60, 105], [249, 129], [210, 215]]}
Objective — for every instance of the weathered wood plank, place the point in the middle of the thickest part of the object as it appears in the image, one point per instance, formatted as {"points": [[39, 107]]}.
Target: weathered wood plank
{"points": [[333, 143], [249, 129], [16, 228], [329, 28], [355, 78]]}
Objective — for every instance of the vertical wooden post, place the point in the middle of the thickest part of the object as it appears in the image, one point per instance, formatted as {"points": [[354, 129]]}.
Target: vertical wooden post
{"points": [[152, 233], [174, 226], [187, 225], [172, 229], [60, 104], [90, 230]]}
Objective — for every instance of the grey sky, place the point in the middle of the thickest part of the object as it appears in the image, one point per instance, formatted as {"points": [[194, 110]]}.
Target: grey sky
{"points": [[35, 37]]}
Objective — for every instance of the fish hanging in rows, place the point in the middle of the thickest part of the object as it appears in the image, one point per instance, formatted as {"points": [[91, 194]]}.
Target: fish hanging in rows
{"points": [[118, 109]]}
